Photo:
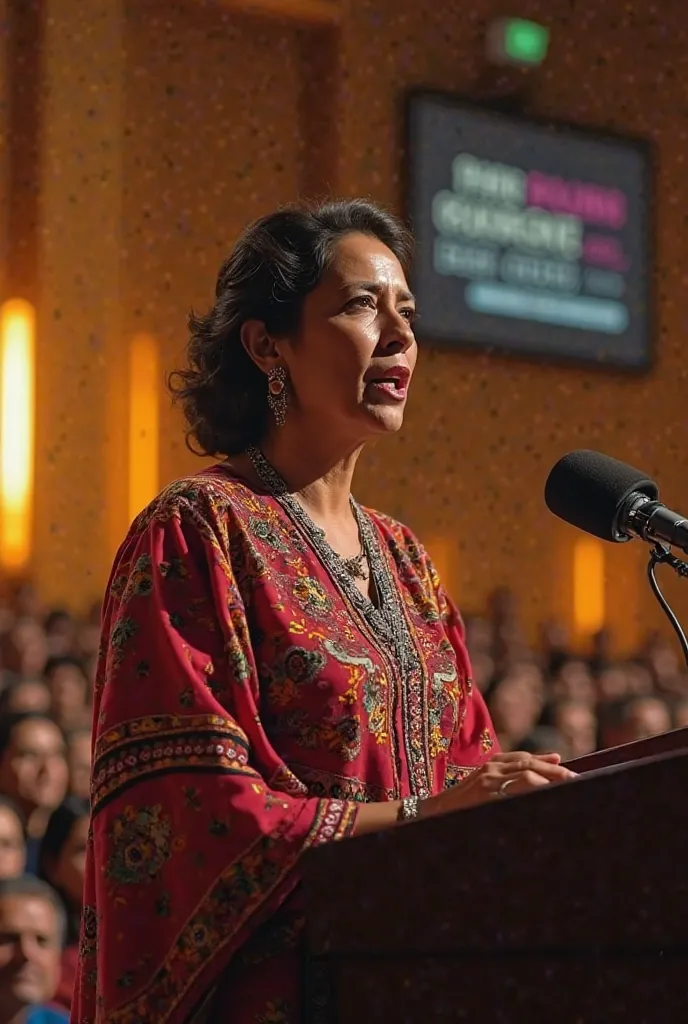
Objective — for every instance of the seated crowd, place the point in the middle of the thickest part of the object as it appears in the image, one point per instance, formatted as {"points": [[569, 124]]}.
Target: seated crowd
{"points": [[46, 671], [545, 700], [555, 699]]}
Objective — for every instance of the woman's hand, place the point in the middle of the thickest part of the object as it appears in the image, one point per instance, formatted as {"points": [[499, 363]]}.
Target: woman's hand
{"points": [[503, 775]]}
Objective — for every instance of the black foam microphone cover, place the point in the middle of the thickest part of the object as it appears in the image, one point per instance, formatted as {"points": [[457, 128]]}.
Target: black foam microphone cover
{"points": [[588, 489]]}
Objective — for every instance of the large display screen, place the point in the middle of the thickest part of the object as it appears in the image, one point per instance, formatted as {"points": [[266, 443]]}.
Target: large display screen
{"points": [[531, 238]]}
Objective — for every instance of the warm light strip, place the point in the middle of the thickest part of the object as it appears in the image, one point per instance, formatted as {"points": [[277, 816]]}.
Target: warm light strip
{"points": [[314, 12], [17, 425], [588, 585], [144, 427]]}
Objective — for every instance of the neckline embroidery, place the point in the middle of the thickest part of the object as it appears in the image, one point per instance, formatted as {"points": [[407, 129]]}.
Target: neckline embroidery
{"points": [[386, 618]]}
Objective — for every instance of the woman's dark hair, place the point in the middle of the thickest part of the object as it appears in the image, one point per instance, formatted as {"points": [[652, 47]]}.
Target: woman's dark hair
{"points": [[62, 661], [54, 618], [11, 721], [8, 694], [60, 825], [275, 264]]}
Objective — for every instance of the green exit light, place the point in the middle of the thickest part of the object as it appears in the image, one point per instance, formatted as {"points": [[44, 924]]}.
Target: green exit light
{"points": [[517, 41]]}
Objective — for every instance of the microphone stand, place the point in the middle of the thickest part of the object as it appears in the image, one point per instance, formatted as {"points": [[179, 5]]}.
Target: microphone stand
{"points": [[661, 555]]}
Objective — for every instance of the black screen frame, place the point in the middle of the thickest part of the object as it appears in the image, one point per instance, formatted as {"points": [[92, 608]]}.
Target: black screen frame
{"points": [[644, 146]]}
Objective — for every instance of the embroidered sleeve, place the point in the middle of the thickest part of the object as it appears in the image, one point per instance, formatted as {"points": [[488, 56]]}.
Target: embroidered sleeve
{"points": [[192, 846]]}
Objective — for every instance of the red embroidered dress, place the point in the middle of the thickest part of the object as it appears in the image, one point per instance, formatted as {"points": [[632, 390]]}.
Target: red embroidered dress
{"points": [[247, 699]]}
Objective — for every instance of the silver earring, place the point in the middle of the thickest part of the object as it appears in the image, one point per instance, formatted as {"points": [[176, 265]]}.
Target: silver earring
{"points": [[278, 396]]}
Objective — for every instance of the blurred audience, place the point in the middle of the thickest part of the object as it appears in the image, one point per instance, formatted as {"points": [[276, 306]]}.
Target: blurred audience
{"points": [[61, 864], [557, 698], [33, 771], [12, 840], [32, 930], [551, 697]]}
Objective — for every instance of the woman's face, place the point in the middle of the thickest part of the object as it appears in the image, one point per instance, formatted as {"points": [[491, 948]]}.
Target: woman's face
{"points": [[12, 845], [352, 361], [33, 771], [67, 688]]}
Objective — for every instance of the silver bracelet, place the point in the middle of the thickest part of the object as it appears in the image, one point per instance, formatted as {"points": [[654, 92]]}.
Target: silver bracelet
{"points": [[409, 808]]}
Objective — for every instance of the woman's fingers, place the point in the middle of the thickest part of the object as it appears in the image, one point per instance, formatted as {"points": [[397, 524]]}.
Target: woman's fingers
{"points": [[551, 772], [525, 781], [515, 762], [519, 755]]}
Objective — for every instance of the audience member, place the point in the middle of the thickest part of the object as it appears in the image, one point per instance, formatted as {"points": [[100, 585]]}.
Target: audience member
{"points": [[32, 929], [554, 698], [61, 864], [68, 686], [25, 695], [33, 771], [12, 840], [575, 721], [633, 718], [60, 633]]}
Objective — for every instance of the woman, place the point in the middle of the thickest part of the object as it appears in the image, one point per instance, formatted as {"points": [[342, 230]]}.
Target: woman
{"points": [[61, 864], [33, 772], [12, 840], [280, 667]]}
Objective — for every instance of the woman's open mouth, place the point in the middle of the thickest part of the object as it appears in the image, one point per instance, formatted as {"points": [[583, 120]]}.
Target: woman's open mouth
{"points": [[392, 382]]}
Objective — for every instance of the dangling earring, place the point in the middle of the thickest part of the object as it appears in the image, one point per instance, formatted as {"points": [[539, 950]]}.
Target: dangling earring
{"points": [[278, 396]]}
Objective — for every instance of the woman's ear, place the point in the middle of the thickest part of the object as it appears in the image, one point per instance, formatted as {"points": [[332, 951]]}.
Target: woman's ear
{"points": [[260, 347]]}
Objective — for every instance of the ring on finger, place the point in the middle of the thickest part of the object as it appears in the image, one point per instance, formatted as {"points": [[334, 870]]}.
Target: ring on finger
{"points": [[504, 786]]}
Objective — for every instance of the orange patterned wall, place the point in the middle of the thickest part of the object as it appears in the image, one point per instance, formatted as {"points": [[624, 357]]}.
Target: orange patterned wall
{"points": [[195, 119]]}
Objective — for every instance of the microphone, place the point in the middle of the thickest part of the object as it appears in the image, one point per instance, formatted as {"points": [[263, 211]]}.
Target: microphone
{"points": [[612, 501]]}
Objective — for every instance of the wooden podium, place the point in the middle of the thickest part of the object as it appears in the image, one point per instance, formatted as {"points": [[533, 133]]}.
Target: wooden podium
{"points": [[565, 906]]}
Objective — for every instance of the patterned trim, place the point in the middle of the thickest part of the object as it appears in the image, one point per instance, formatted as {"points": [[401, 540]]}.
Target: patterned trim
{"points": [[456, 773], [222, 912], [387, 621], [340, 787], [146, 747]]}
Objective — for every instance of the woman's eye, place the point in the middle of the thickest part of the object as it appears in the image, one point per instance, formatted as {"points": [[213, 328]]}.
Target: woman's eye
{"points": [[361, 301]]}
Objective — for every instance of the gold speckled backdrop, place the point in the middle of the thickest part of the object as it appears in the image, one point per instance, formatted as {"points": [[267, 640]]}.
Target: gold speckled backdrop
{"points": [[166, 126]]}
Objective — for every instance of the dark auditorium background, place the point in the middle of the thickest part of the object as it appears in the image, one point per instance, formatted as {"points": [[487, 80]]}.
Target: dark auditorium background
{"points": [[140, 136]]}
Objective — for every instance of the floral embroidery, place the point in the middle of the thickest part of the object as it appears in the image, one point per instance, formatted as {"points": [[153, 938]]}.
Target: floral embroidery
{"points": [[457, 773], [296, 668], [221, 912], [175, 569], [302, 666], [486, 741], [367, 685], [311, 596], [88, 943], [341, 787], [124, 630], [443, 695], [341, 736], [140, 582], [276, 1012], [276, 684], [140, 845], [264, 531]]}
